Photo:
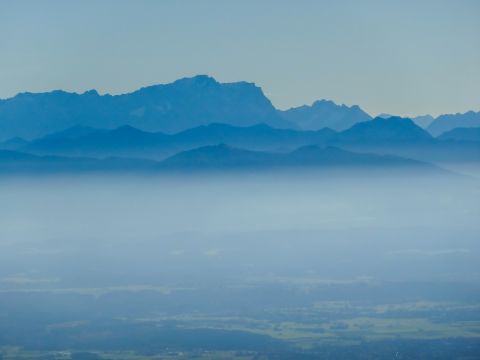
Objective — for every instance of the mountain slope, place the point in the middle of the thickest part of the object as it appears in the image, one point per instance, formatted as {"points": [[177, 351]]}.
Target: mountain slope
{"points": [[128, 141], [217, 157], [462, 134], [401, 137], [13, 143], [444, 123], [396, 136], [224, 157], [393, 130], [423, 120], [74, 132], [257, 137], [173, 107], [123, 141], [14, 162], [325, 114]]}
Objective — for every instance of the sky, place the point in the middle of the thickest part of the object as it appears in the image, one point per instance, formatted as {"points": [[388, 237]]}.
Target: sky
{"points": [[399, 57]]}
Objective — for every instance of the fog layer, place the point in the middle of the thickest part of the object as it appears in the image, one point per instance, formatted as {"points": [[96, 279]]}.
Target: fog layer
{"points": [[165, 231]]}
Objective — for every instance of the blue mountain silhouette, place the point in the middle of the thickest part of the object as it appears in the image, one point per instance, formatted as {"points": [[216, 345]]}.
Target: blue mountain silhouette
{"points": [[223, 157], [397, 136], [422, 120], [181, 105], [462, 134], [391, 130], [448, 122], [216, 157], [129, 141], [325, 114], [14, 162], [173, 107]]}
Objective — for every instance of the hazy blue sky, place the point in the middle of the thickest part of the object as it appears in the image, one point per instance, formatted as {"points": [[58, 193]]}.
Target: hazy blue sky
{"points": [[401, 57]]}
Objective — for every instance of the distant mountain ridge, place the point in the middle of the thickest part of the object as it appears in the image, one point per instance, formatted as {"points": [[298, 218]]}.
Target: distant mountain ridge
{"points": [[395, 136], [216, 157], [325, 114], [225, 157], [392, 130], [377, 142], [14, 162], [462, 134], [181, 105], [132, 142], [129, 141], [447, 122], [173, 107], [422, 120]]}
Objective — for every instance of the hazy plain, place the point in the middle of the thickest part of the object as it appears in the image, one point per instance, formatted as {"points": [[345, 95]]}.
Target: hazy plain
{"points": [[242, 248], [133, 229]]}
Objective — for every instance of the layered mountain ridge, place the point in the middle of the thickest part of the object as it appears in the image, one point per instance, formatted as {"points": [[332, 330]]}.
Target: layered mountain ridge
{"points": [[184, 104]]}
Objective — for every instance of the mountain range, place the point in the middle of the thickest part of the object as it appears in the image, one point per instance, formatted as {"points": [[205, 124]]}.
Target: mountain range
{"points": [[184, 104], [129, 141], [325, 114], [423, 120], [444, 123], [462, 134], [218, 157], [226, 157], [198, 122], [174, 107], [394, 136]]}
